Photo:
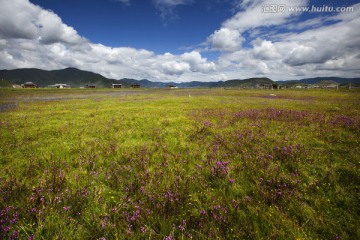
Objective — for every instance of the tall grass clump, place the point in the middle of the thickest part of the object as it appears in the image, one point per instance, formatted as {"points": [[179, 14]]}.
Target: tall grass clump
{"points": [[179, 164]]}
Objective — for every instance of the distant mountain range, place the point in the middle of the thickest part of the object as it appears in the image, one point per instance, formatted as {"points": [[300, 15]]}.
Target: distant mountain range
{"points": [[78, 78], [323, 80]]}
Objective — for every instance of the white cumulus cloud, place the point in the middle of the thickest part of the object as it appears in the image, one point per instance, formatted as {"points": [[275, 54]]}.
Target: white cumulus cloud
{"points": [[175, 67], [22, 19], [265, 50], [226, 39], [253, 16], [197, 63]]}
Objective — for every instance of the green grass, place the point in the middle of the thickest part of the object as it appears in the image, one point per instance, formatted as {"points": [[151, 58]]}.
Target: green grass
{"points": [[179, 164]]}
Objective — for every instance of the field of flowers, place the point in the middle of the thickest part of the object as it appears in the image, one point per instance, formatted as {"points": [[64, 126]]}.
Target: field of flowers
{"points": [[179, 164]]}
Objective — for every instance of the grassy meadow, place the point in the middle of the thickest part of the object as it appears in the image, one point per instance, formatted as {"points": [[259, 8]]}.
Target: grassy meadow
{"points": [[179, 164]]}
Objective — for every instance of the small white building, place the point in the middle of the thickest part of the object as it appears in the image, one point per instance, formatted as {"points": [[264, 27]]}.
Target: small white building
{"points": [[59, 85], [116, 85], [29, 85], [332, 86], [172, 87]]}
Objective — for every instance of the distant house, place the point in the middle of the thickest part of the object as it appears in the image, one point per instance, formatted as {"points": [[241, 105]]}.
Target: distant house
{"points": [[59, 85], [332, 86], [90, 86], [17, 86], [116, 85], [135, 85], [172, 86], [303, 86], [29, 85], [265, 86]]}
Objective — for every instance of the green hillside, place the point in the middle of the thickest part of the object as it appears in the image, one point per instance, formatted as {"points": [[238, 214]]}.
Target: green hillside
{"points": [[72, 76], [250, 82]]}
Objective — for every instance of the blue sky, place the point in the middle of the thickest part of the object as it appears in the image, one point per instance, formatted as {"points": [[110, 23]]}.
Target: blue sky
{"points": [[182, 40], [141, 24]]}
